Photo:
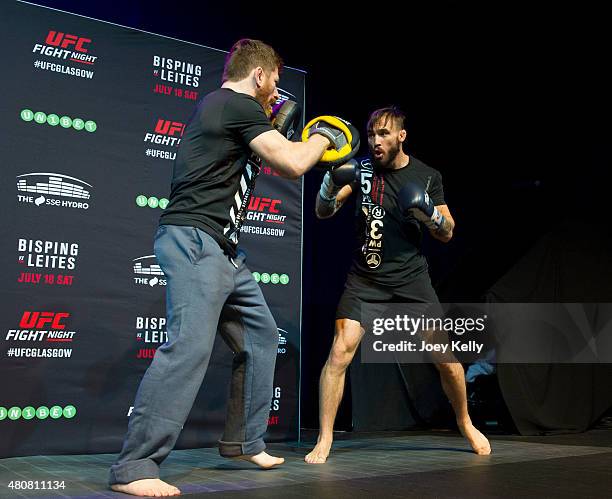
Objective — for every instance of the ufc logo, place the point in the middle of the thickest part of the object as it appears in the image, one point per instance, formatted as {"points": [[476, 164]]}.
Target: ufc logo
{"points": [[167, 127], [39, 320], [58, 39], [260, 204]]}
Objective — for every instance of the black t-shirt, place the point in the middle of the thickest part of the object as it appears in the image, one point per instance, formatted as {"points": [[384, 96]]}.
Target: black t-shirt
{"points": [[388, 249], [211, 180]]}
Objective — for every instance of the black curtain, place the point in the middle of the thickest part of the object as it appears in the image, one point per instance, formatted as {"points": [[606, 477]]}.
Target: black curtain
{"points": [[570, 264]]}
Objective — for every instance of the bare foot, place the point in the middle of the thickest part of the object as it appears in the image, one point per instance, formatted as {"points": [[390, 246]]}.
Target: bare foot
{"points": [[148, 487], [319, 454], [480, 444], [263, 460]]}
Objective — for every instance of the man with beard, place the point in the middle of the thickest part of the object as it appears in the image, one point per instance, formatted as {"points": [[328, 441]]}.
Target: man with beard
{"points": [[396, 194], [209, 286]]}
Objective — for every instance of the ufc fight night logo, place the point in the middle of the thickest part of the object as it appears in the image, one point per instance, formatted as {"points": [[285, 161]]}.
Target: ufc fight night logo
{"points": [[266, 210], [40, 320], [66, 47], [166, 133], [41, 327]]}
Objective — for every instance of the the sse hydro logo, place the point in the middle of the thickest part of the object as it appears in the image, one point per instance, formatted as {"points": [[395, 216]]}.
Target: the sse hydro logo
{"points": [[43, 328], [264, 216], [266, 278], [69, 54], [282, 340], [166, 133], [184, 76], [150, 333], [42, 412], [39, 255], [53, 189], [148, 272], [54, 120], [143, 201]]}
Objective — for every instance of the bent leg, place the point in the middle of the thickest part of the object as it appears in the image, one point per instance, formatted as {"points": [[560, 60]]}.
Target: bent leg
{"points": [[331, 386], [197, 286], [452, 377], [249, 329]]}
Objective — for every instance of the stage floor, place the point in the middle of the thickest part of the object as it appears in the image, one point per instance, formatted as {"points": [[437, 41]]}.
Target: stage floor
{"points": [[406, 464]]}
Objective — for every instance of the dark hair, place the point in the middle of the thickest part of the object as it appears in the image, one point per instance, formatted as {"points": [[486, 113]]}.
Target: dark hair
{"points": [[247, 54], [384, 114]]}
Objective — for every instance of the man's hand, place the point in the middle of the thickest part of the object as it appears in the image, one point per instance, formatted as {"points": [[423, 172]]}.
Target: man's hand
{"points": [[286, 118], [342, 136], [415, 201], [327, 203]]}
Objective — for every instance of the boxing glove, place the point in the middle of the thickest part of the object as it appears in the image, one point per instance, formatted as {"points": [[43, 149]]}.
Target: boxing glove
{"points": [[338, 177], [415, 201]]}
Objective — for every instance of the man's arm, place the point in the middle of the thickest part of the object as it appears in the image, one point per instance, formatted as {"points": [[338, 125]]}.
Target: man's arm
{"points": [[415, 201], [444, 233], [336, 187], [326, 209], [290, 159]]}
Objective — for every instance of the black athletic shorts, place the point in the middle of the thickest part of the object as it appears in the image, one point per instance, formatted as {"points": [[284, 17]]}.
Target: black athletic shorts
{"points": [[361, 290]]}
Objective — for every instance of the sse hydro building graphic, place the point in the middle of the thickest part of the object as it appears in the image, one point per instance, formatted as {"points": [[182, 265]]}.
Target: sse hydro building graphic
{"points": [[53, 189]]}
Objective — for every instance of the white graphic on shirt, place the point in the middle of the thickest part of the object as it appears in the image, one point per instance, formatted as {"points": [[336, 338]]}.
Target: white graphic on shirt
{"points": [[237, 211]]}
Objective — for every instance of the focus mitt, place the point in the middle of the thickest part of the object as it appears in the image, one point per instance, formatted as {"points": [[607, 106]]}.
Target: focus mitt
{"points": [[343, 137]]}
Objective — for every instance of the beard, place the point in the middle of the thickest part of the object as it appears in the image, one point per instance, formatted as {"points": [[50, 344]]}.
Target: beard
{"points": [[264, 99], [392, 153]]}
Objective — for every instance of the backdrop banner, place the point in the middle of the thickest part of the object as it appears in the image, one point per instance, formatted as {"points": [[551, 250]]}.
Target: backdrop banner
{"points": [[91, 118]]}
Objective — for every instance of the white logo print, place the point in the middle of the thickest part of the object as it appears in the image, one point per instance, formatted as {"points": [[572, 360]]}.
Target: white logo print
{"points": [[148, 266], [49, 188]]}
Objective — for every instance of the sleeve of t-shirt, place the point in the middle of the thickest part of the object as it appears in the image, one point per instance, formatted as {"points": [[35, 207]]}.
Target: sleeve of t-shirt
{"points": [[245, 116], [436, 190]]}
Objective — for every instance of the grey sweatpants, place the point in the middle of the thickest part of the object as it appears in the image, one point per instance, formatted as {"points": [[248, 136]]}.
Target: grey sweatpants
{"points": [[206, 292]]}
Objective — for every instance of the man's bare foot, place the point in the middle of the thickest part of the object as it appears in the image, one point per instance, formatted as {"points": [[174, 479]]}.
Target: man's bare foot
{"points": [[319, 454], [263, 460], [480, 444], [148, 487]]}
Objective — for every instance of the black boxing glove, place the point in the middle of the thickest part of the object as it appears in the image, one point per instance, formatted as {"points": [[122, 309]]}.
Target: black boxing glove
{"points": [[346, 174], [286, 117], [332, 183], [415, 201], [338, 177]]}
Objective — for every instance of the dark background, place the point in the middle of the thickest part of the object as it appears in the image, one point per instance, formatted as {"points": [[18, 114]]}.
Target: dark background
{"points": [[509, 101]]}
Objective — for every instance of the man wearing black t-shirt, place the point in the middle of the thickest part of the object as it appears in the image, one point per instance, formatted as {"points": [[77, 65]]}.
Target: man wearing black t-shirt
{"points": [[209, 287], [396, 195]]}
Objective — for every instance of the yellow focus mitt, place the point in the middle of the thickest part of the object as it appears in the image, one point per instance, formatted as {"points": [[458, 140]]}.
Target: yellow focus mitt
{"points": [[343, 136]]}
